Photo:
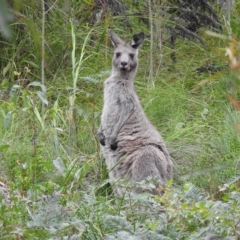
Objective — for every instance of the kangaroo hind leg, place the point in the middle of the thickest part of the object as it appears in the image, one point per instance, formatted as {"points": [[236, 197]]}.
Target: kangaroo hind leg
{"points": [[151, 162]]}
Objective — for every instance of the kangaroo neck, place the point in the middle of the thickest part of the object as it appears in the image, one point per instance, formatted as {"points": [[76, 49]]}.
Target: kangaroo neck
{"points": [[124, 75]]}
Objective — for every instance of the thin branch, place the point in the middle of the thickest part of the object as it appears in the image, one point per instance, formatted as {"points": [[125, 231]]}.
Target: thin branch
{"points": [[151, 43], [43, 49]]}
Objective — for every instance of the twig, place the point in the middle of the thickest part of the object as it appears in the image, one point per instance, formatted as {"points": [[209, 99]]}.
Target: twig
{"points": [[151, 43], [43, 49]]}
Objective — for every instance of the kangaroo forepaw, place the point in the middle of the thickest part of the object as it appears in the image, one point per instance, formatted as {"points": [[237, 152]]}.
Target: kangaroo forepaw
{"points": [[101, 138], [102, 141], [113, 146], [113, 143]]}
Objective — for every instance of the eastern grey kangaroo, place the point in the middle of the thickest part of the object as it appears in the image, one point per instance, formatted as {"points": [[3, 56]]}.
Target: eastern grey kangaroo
{"points": [[131, 145]]}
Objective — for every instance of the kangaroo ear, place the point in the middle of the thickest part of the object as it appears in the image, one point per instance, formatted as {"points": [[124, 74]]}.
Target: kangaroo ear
{"points": [[115, 39], [137, 40]]}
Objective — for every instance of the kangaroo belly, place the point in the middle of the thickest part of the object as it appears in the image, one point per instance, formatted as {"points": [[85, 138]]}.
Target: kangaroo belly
{"points": [[139, 129]]}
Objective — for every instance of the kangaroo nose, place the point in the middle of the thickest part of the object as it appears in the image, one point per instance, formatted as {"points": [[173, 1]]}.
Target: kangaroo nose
{"points": [[124, 64]]}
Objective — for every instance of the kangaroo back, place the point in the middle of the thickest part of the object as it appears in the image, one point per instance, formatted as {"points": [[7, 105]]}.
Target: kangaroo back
{"points": [[132, 147]]}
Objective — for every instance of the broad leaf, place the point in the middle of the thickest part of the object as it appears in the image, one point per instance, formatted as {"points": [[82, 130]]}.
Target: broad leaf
{"points": [[4, 147], [7, 120], [58, 163], [38, 84], [42, 97]]}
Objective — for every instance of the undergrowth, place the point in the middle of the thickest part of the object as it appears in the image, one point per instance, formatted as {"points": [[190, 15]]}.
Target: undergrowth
{"points": [[54, 183]]}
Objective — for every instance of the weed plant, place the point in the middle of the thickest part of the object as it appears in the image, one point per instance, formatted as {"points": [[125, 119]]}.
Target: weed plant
{"points": [[53, 182]]}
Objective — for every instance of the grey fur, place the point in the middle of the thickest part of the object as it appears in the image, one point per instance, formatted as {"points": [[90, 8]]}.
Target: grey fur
{"points": [[132, 147]]}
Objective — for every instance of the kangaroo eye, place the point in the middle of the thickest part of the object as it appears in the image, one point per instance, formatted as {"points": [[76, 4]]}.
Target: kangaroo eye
{"points": [[118, 54], [131, 55]]}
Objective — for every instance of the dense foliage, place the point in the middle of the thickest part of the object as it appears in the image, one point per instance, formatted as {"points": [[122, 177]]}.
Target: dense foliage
{"points": [[54, 57]]}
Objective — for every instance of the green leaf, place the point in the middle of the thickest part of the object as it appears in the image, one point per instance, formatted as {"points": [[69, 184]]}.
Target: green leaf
{"points": [[187, 186], [38, 84], [4, 147], [13, 93], [31, 63], [58, 163], [34, 33], [5, 70], [82, 172], [7, 120], [225, 198], [36, 112], [42, 97], [200, 205]]}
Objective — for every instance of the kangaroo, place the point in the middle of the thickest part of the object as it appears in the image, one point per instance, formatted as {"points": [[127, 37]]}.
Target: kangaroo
{"points": [[132, 147]]}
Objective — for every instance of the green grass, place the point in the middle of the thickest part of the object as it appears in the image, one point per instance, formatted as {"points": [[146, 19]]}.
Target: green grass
{"points": [[57, 187]]}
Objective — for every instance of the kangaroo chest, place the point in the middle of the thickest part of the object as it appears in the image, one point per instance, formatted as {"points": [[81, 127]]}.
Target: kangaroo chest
{"points": [[115, 94]]}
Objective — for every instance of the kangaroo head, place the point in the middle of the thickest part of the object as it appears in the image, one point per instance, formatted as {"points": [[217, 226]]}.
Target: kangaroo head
{"points": [[125, 58]]}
